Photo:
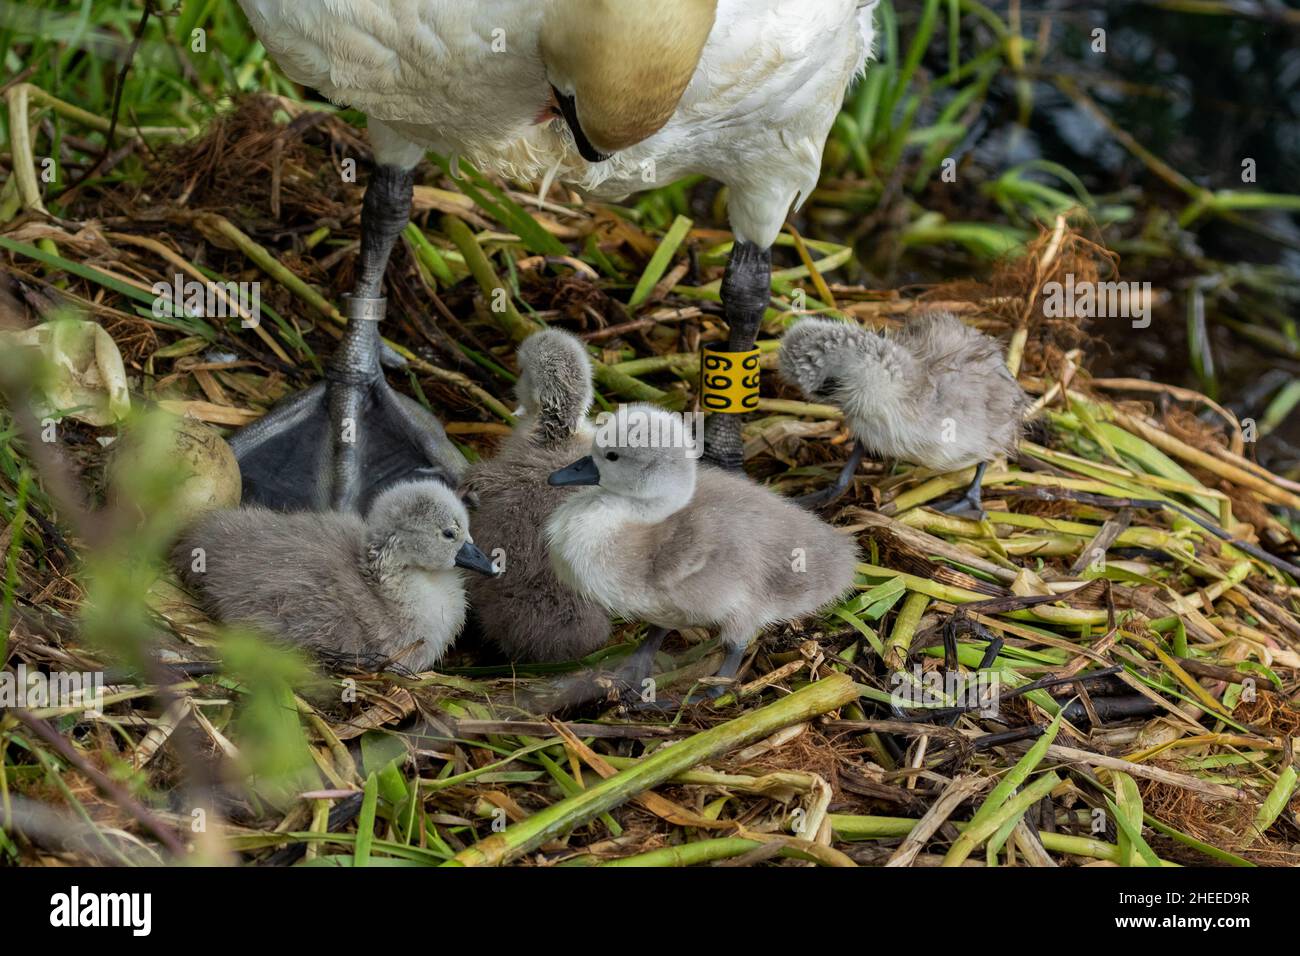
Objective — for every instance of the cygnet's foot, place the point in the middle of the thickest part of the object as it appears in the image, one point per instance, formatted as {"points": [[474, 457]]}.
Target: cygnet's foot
{"points": [[579, 690], [342, 441], [575, 690], [967, 506], [970, 504], [628, 681], [820, 499], [635, 676], [724, 678], [671, 704]]}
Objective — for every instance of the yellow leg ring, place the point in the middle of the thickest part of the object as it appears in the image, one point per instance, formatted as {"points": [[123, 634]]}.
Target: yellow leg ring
{"points": [[729, 381]]}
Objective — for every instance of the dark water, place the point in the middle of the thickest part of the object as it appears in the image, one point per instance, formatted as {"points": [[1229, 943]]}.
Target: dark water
{"points": [[1205, 92]]}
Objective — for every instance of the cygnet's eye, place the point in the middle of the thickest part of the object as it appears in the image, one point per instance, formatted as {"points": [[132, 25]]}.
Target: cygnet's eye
{"points": [[611, 456], [828, 387], [448, 534]]}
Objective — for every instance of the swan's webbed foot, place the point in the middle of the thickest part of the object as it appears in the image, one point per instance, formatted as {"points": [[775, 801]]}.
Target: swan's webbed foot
{"points": [[340, 442], [725, 674], [628, 681], [636, 676]]}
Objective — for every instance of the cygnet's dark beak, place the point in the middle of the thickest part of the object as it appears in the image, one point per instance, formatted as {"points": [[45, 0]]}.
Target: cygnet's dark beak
{"points": [[569, 110], [581, 472], [829, 386], [472, 559]]}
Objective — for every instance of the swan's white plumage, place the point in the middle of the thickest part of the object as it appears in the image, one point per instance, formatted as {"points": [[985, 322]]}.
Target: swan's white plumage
{"points": [[465, 77]]}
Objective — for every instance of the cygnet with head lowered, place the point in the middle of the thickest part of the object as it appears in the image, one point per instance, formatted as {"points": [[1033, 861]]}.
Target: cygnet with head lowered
{"points": [[937, 392], [526, 611], [661, 539], [381, 589]]}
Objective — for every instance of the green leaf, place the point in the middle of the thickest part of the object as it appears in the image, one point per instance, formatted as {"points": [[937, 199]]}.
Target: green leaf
{"points": [[366, 822], [659, 262], [503, 209], [1128, 819]]}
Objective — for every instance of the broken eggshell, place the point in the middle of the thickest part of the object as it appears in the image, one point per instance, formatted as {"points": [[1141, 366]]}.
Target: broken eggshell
{"points": [[84, 375]]}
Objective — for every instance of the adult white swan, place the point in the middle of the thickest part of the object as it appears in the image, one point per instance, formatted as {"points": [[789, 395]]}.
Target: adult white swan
{"points": [[612, 96]]}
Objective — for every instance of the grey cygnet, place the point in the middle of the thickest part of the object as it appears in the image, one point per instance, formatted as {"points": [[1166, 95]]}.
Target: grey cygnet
{"points": [[937, 392], [526, 611], [661, 539], [386, 588]]}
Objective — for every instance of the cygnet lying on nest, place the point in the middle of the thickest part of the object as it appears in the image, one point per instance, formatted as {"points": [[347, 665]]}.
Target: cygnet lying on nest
{"points": [[383, 589]]}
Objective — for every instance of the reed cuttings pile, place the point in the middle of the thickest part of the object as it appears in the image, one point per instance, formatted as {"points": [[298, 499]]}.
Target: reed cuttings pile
{"points": [[1127, 607]]}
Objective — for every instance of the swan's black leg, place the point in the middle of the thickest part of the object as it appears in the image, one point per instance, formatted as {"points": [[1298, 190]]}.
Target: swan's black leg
{"points": [[970, 503], [746, 292], [820, 499], [342, 441], [385, 211]]}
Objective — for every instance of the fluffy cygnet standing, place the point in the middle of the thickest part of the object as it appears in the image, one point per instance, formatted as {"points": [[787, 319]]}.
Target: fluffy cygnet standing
{"points": [[662, 540], [526, 611], [386, 588], [937, 392]]}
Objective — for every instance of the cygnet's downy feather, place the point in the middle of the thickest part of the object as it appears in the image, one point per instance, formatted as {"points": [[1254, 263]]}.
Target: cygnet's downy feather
{"points": [[673, 543], [526, 611], [937, 392], [382, 589]]}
